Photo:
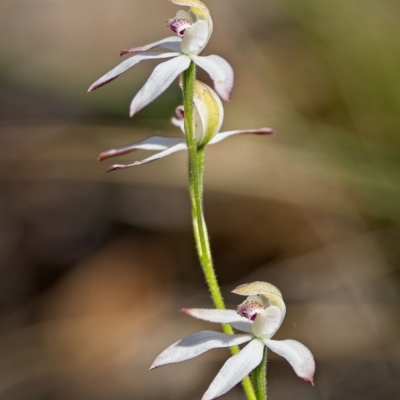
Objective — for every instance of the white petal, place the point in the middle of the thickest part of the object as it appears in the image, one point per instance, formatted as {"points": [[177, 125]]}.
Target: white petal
{"points": [[195, 38], [298, 356], [223, 135], [160, 79], [197, 344], [267, 322], [153, 143], [172, 43], [230, 317], [125, 65], [235, 369], [220, 72], [162, 154]]}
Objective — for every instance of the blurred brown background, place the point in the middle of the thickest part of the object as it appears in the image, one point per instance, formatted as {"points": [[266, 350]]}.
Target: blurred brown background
{"points": [[94, 267]]}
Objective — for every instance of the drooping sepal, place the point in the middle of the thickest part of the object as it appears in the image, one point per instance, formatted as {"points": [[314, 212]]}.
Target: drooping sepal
{"points": [[298, 356]]}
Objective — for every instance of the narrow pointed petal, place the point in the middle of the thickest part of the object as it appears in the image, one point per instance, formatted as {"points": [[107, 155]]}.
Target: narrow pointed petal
{"points": [[125, 65], [235, 369], [220, 72], [298, 356], [197, 344], [267, 322], [223, 135], [172, 43], [162, 154], [230, 317], [153, 143], [160, 79]]}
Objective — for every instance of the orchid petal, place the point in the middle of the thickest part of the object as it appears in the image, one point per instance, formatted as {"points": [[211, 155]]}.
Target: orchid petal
{"points": [[197, 344], [220, 72], [162, 154], [171, 43], [267, 322], [298, 356], [159, 80], [235, 369], [153, 143], [220, 316], [223, 135], [125, 65], [195, 38]]}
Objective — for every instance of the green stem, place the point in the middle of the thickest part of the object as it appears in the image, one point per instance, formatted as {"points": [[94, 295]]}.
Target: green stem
{"points": [[196, 172], [259, 378]]}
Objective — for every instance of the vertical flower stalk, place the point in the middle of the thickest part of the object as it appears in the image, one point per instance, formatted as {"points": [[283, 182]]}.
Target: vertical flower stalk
{"points": [[259, 378], [200, 119], [196, 173]]}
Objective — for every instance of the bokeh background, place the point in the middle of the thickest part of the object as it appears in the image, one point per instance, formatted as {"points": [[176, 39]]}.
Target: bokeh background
{"points": [[94, 266]]}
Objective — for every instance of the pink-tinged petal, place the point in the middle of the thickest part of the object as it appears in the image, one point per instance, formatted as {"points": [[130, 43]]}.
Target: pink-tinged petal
{"points": [[162, 154], [267, 322], [172, 43], [220, 72], [298, 356], [197, 344], [160, 79], [223, 135], [220, 316], [235, 369], [125, 65], [153, 143]]}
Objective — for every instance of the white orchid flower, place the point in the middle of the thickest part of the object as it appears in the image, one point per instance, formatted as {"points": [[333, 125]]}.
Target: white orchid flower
{"points": [[194, 29], [260, 316], [208, 118]]}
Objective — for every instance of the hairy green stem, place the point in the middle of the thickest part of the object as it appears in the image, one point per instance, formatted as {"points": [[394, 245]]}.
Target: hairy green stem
{"points": [[196, 173], [259, 378]]}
